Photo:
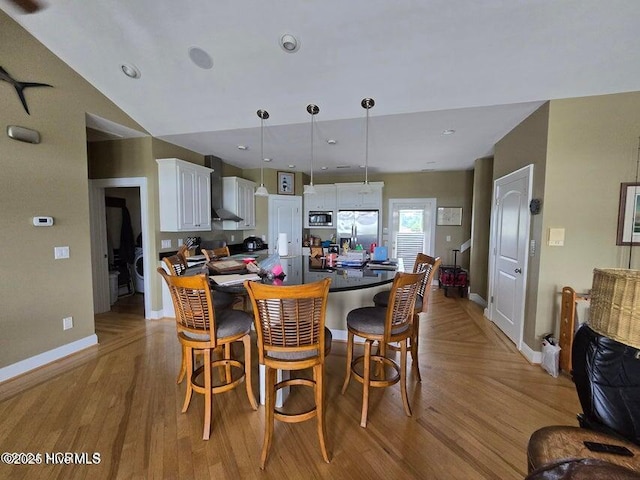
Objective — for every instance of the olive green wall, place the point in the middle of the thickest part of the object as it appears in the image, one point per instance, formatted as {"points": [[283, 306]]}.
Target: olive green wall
{"points": [[527, 145], [592, 148], [480, 228], [582, 149], [50, 178]]}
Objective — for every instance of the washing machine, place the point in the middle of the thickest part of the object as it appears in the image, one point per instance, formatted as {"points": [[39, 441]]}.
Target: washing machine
{"points": [[138, 269]]}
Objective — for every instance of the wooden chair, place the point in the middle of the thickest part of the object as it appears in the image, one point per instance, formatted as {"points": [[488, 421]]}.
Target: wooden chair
{"points": [[429, 265], [201, 328], [177, 265], [385, 326], [290, 321], [215, 253], [567, 327]]}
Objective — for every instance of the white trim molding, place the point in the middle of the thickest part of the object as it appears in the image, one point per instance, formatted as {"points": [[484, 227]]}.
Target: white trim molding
{"points": [[531, 355], [23, 366]]}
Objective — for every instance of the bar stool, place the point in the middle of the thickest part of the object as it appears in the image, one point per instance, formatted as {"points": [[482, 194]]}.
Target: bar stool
{"points": [[429, 265], [177, 265], [289, 321], [383, 325], [201, 328]]}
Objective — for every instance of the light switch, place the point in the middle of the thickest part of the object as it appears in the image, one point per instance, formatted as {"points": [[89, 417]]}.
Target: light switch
{"points": [[165, 243], [60, 252], [556, 237]]}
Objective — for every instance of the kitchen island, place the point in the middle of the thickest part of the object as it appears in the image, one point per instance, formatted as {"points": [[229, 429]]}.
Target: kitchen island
{"points": [[350, 287]]}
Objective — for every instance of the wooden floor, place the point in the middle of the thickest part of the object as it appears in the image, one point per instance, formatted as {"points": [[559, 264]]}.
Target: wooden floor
{"points": [[477, 405]]}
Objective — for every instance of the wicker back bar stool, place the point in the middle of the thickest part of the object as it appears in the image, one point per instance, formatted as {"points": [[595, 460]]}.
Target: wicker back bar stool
{"points": [[201, 328], [383, 325], [289, 321]]}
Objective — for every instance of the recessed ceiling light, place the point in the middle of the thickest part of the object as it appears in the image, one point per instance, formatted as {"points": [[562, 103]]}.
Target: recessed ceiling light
{"points": [[331, 141], [324, 168], [200, 58], [289, 43], [362, 166], [292, 166], [243, 147], [130, 70], [448, 132], [266, 160]]}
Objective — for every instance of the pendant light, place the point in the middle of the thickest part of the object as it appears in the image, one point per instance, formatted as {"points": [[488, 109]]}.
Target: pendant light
{"points": [[313, 111], [367, 103], [261, 191]]}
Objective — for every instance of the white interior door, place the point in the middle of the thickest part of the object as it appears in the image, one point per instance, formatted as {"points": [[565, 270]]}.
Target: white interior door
{"points": [[285, 216], [511, 236], [412, 228]]}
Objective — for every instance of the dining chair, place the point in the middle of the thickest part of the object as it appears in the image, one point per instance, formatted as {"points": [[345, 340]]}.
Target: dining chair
{"points": [[177, 265], [383, 325], [201, 327], [429, 265], [290, 325], [215, 253]]}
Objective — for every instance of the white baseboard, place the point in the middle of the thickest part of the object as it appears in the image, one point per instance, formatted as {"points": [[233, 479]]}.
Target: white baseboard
{"points": [[340, 335], [44, 358], [474, 297], [156, 315], [531, 355]]}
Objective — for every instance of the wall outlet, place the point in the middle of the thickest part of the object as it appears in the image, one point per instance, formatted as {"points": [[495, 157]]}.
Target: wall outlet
{"points": [[165, 243], [448, 238], [67, 323], [180, 242], [60, 252], [233, 238]]}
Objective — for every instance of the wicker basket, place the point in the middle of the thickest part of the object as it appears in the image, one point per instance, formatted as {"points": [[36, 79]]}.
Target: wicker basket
{"points": [[615, 304]]}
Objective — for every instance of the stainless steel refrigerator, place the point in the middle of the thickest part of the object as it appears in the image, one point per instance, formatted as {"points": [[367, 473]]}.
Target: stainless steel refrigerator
{"points": [[358, 227]]}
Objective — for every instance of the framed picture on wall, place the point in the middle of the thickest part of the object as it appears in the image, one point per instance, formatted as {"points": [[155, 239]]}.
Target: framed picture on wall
{"points": [[449, 216], [285, 183], [629, 215]]}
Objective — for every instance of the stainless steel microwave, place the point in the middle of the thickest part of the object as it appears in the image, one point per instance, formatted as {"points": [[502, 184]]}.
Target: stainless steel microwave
{"points": [[321, 219]]}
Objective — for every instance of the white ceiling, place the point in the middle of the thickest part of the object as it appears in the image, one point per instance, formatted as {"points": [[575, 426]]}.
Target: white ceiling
{"points": [[478, 67]]}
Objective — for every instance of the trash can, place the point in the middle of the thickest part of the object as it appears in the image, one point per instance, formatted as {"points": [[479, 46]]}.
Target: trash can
{"points": [[113, 286]]}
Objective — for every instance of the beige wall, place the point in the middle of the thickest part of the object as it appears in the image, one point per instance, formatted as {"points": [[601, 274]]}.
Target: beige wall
{"points": [[50, 178], [582, 149], [524, 145], [593, 147], [480, 227]]}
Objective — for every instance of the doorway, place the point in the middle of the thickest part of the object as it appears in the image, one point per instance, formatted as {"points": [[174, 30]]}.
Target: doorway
{"points": [[100, 249], [412, 227], [510, 237], [285, 216]]}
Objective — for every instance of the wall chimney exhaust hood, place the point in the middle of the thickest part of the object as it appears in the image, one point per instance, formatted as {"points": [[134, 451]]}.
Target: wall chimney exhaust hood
{"points": [[217, 212]]}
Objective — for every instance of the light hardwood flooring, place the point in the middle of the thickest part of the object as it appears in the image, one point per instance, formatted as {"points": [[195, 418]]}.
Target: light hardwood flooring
{"points": [[473, 413]]}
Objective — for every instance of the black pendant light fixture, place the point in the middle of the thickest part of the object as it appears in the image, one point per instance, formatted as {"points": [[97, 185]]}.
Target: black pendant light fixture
{"points": [[367, 104], [313, 111], [262, 191]]}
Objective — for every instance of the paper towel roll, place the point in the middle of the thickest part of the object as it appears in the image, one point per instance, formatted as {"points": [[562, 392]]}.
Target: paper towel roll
{"points": [[283, 245]]}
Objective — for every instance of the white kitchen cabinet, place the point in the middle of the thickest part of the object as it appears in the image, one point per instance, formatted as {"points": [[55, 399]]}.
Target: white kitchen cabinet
{"points": [[324, 200], [350, 196], [238, 197], [184, 190]]}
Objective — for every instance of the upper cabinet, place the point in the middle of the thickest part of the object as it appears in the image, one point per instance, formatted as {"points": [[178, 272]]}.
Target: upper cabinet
{"points": [[324, 200], [184, 190], [238, 196], [351, 197]]}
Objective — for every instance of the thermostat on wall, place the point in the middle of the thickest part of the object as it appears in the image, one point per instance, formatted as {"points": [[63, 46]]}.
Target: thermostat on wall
{"points": [[43, 221]]}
